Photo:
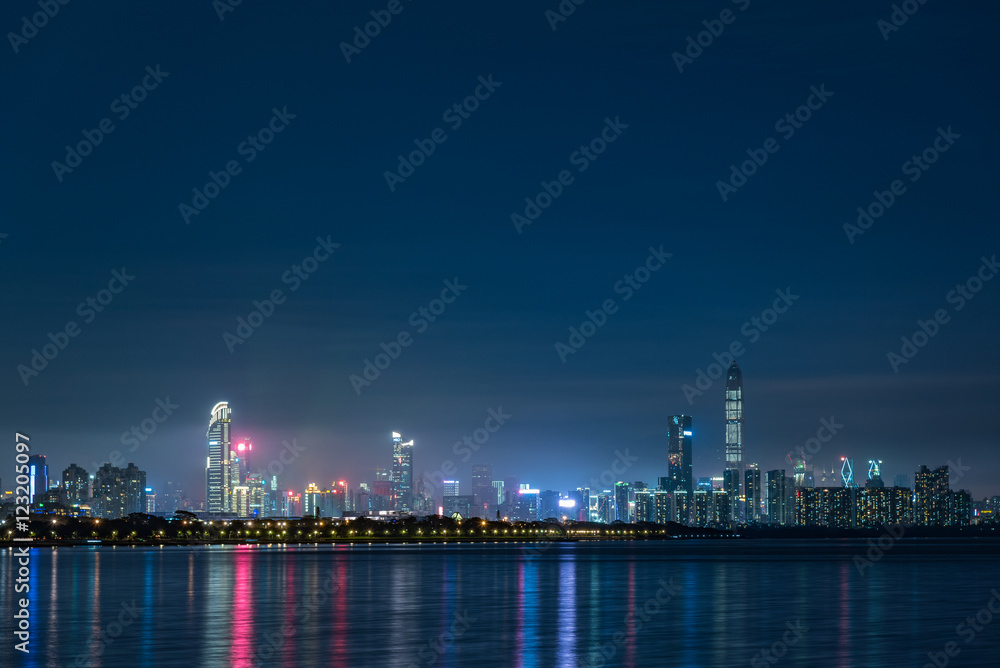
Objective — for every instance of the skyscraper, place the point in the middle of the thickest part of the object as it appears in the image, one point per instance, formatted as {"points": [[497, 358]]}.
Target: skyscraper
{"points": [[217, 469], [38, 477], [679, 473], [77, 484], [930, 496], [482, 487], [753, 493], [734, 437], [402, 473]]}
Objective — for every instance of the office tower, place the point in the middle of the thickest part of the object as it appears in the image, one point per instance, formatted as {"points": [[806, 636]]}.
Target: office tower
{"points": [[482, 487], [734, 437], [753, 493], [776, 497], [310, 499], [450, 487], [402, 473], [217, 469], [526, 504], [585, 503], [498, 492], [623, 502], [76, 482], [256, 495], [548, 505], [930, 496], [605, 507], [38, 478], [874, 474], [679, 454], [847, 472], [150, 501]]}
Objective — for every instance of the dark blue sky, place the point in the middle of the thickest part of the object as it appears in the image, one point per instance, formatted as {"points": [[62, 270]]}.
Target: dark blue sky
{"points": [[655, 185]]}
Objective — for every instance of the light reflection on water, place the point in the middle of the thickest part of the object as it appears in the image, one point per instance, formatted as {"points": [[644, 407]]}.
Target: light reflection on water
{"points": [[566, 605]]}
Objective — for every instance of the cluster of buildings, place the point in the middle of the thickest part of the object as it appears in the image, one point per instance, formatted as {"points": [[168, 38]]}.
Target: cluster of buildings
{"points": [[237, 486]]}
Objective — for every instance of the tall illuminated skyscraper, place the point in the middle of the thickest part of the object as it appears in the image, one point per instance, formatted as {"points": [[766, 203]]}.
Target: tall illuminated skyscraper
{"points": [[679, 475], [217, 469], [38, 477], [734, 438], [402, 473]]}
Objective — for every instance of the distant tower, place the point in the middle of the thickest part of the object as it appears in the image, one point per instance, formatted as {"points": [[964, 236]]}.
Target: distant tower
{"points": [[679, 475], [734, 436], [402, 473], [38, 478], [217, 470]]}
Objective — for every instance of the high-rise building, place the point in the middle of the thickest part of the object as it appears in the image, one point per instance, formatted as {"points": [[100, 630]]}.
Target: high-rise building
{"points": [[482, 488], [402, 473], [623, 502], [150, 501], [76, 483], [217, 481], [498, 492], [450, 487], [644, 508], [753, 493], [679, 473], [548, 505], [119, 492], [734, 436], [38, 477], [930, 496], [776, 497]]}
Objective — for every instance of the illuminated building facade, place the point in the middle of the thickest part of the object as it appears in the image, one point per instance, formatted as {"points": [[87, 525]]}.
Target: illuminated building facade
{"points": [[217, 468], [623, 502], [734, 437], [679, 472], [930, 496], [753, 493], [76, 482], [38, 477], [402, 473]]}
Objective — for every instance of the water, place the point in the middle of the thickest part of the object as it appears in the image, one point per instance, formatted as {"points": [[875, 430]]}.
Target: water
{"points": [[702, 603]]}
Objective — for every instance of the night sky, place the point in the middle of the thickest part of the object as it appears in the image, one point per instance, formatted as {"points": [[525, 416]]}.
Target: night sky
{"points": [[609, 68]]}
